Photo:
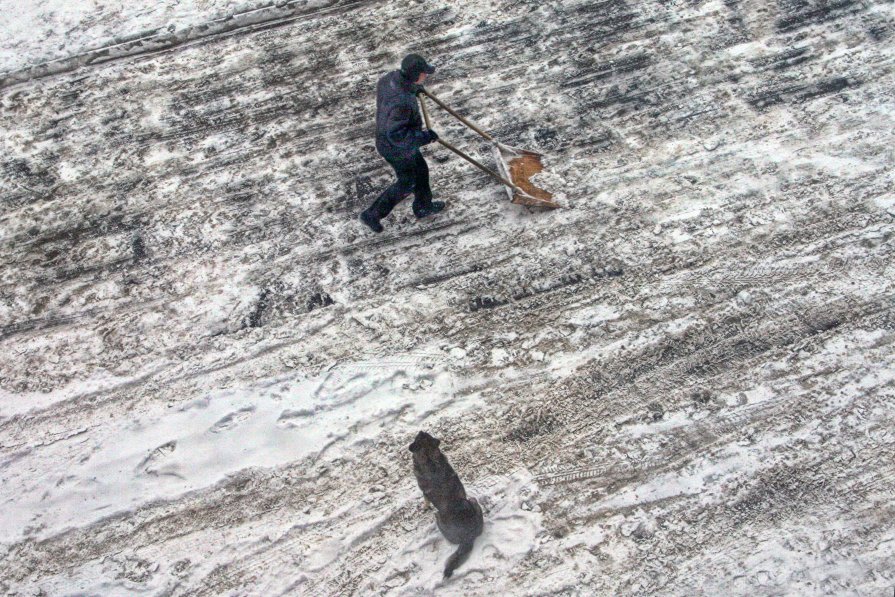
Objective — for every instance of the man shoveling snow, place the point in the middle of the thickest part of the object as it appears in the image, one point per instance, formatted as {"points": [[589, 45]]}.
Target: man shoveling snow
{"points": [[399, 136]]}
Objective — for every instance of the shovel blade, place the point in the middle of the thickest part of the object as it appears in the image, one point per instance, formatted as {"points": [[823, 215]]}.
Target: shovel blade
{"points": [[519, 165]]}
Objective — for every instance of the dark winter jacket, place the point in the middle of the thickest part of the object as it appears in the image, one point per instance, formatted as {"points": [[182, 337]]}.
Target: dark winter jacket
{"points": [[399, 130]]}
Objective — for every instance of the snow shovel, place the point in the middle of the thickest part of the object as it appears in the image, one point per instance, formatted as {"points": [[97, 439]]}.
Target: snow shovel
{"points": [[515, 165]]}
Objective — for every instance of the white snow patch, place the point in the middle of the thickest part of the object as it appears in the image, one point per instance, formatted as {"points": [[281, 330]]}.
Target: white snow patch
{"points": [[159, 154], [264, 424], [36, 32]]}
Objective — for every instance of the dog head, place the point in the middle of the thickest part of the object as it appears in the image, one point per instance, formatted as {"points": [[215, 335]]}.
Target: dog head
{"points": [[424, 442]]}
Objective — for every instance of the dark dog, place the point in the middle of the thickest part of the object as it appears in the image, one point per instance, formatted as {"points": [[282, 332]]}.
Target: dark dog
{"points": [[459, 519]]}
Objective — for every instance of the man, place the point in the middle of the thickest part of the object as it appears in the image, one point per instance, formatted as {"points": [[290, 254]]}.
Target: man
{"points": [[399, 136]]}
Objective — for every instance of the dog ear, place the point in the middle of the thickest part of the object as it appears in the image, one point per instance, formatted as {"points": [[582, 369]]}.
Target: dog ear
{"points": [[417, 444], [437, 441]]}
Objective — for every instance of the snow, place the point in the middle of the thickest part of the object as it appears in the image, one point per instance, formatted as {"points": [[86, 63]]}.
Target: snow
{"points": [[176, 450], [38, 32], [679, 383]]}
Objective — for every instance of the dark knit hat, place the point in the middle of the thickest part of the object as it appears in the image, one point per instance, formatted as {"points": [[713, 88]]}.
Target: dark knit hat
{"points": [[413, 65]]}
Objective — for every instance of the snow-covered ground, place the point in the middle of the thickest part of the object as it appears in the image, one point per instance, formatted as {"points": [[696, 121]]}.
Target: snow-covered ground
{"points": [[680, 383], [46, 30]]}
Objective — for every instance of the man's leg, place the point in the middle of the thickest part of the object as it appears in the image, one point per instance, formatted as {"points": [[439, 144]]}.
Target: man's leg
{"points": [[422, 194], [390, 197]]}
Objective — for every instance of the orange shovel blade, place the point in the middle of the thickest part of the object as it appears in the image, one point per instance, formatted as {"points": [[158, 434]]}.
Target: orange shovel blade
{"points": [[519, 165]]}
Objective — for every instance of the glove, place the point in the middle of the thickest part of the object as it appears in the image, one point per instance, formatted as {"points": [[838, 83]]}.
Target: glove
{"points": [[418, 89], [433, 136]]}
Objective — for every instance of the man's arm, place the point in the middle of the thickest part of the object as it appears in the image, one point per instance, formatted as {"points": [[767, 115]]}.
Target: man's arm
{"points": [[402, 133]]}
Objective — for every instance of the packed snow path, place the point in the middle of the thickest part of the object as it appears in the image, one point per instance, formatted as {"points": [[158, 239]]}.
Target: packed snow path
{"points": [[680, 384]]}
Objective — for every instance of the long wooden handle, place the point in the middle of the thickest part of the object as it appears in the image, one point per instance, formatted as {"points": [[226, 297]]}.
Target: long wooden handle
{"points": [[469, 159], [479, 165], [425, 113], [457, 116]]}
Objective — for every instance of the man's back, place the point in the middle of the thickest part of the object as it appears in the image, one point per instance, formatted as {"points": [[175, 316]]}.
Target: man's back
{"points": [[398, 122]]}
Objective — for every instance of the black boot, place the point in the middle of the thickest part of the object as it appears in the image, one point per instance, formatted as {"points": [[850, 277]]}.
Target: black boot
{"points": [[432, 208], [371, 220]]}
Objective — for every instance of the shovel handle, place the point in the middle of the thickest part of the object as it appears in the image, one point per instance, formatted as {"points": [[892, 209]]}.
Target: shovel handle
{"points": [[482, 167], [425, 113], [463, 155], [457, 116]]}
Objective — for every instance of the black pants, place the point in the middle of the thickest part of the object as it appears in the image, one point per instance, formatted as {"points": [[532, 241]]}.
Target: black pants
{"points": [[413, 176]]}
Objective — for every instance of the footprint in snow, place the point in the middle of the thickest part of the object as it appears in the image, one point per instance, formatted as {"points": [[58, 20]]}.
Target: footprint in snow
{"points": [[149, 463], [293, 418], [232, 420]]}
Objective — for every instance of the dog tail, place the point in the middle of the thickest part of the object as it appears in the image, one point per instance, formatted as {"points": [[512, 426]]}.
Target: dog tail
{"points": [[457, 558]]}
